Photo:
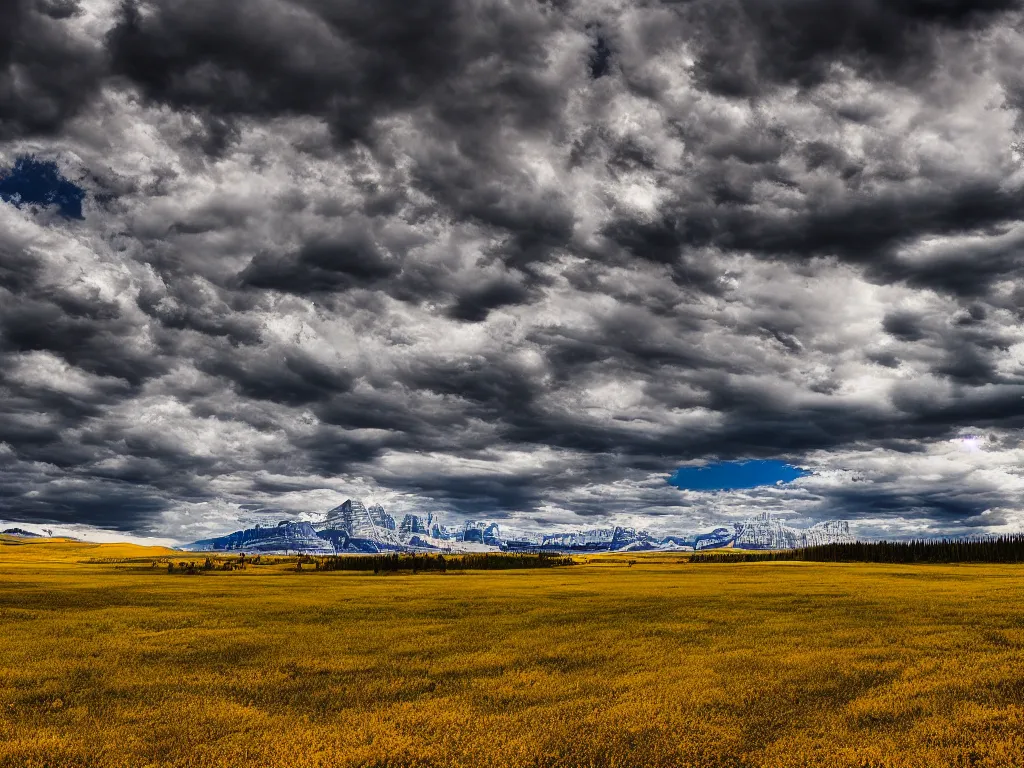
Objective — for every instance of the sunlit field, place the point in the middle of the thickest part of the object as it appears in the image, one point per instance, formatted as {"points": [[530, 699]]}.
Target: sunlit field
{"points": [[603, 663]]}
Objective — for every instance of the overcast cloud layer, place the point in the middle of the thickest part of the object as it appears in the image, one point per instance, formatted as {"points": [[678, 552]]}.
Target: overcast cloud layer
{"points": [[514, 261]]}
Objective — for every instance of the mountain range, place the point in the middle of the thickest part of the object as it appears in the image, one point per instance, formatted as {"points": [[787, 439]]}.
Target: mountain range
{"points": [[353, 527]]}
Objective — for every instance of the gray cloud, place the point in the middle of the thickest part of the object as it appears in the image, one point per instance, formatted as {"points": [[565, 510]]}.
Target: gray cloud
{"points": [[513, 261]]}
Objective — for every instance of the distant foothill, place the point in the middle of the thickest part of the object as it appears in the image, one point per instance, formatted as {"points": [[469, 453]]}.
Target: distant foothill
{"points": [[21, 533]]}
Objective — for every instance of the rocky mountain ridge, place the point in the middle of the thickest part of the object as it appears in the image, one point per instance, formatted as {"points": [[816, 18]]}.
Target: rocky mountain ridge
{"points": [[352, 527]]}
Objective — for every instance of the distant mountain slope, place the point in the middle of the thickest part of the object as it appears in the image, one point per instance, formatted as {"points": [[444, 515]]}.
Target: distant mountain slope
{"points": [[353, 527], [284, 537], [767, 532]]}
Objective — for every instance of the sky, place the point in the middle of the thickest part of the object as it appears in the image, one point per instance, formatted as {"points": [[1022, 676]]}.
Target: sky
{"points": [[530, 262]]}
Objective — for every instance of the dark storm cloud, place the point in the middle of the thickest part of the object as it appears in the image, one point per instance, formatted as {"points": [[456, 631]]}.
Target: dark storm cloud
{"points": [[490, 191], [474, 305], [886, 202], [47, 74], [865, 229], [507, 259], [905, 326], [348, 62], [287, 377], [600, 57], [747, 46], [84, 330], [390, 409], [324, 264], [489, 386], [944, 507], [194, 310], [103, 504]]}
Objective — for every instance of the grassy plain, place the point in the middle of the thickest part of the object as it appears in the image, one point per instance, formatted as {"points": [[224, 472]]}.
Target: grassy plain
{"points": [[661, 663]]}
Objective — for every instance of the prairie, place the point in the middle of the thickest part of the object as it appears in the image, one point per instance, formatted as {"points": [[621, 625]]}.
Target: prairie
{"points": [[107, 661]]}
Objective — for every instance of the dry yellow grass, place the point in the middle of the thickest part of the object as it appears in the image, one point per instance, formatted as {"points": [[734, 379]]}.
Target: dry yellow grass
{"points": [[601, 664]]}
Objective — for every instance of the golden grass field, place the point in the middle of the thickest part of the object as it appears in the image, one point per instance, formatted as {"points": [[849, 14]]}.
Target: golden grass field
{"points": [[600, 664]]}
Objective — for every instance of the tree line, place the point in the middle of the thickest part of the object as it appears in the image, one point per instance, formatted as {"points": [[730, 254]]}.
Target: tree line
{"points": [[439, 563], [192, 567], [1001, 549], [382, 563]]}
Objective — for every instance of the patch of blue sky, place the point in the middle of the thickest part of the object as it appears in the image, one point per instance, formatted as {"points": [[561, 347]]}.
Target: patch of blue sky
{"points": [[39, 182], [735, 475]]}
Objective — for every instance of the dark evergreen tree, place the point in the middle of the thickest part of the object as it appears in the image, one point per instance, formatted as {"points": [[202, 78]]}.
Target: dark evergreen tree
{"points": [[1000, 549]]}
